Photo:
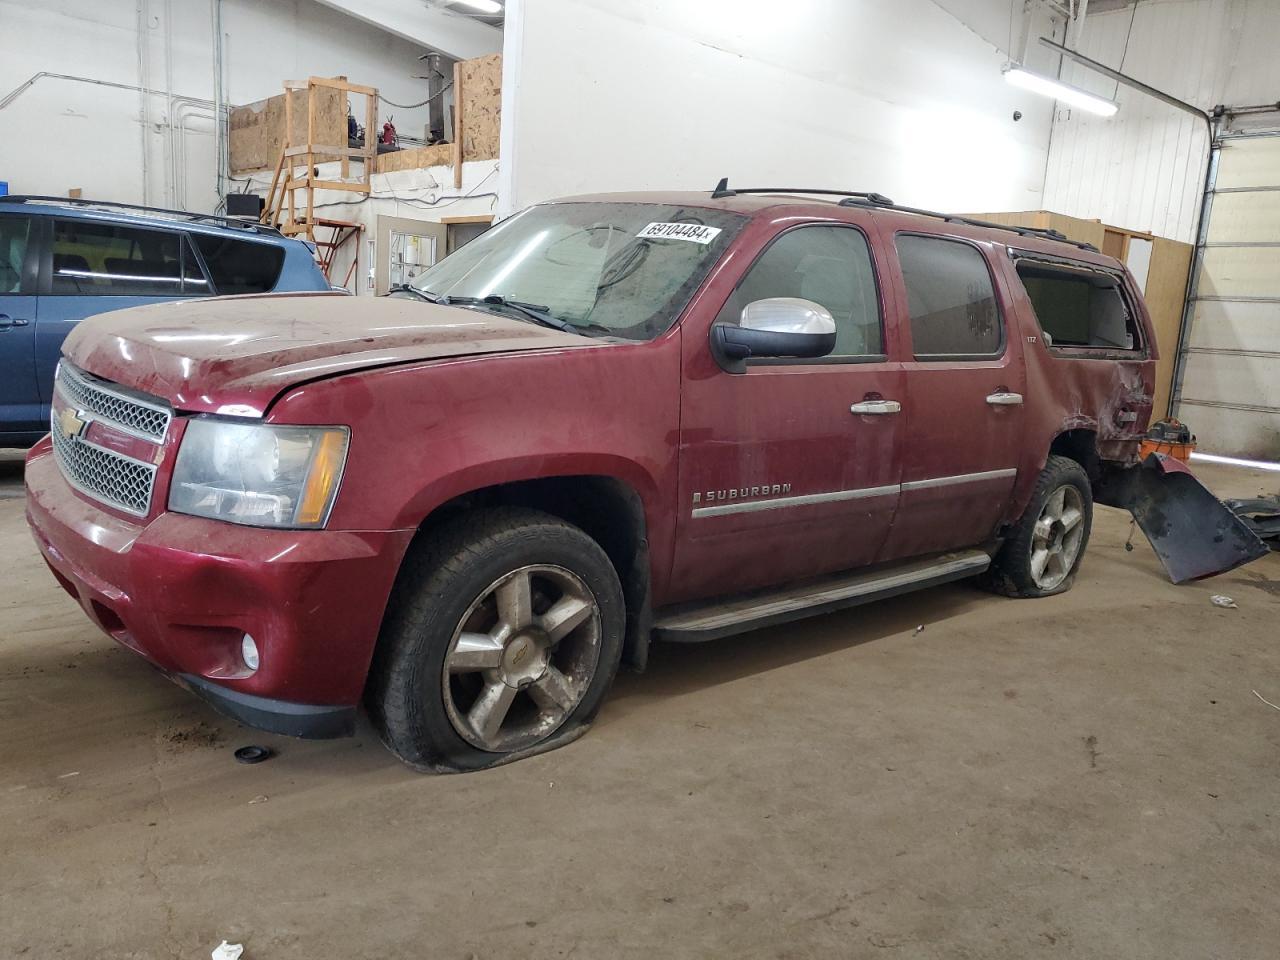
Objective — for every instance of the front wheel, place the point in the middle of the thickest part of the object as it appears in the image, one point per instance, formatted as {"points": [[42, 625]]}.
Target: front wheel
{"points": [[503, 637], [1042, 553]]}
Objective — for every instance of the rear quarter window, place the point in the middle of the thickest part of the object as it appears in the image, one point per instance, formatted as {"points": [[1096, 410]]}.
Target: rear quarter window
{"points": [[1079, 308], [240, 266]]}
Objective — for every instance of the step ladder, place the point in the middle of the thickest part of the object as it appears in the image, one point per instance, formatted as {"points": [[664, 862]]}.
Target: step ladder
{"points": [[290, 205]]}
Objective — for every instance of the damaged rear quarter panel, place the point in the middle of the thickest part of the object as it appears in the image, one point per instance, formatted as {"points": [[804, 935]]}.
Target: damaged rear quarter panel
{"points": [[1106, 392]]}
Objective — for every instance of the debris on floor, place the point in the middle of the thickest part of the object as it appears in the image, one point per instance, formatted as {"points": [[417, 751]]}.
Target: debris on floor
{"points": [[227, 951], [254, 754], [1222, 600], [1265, 700], [1262, 516]]}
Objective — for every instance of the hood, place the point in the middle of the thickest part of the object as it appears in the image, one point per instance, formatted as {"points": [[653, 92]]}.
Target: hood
{"points": [[235, 355]]}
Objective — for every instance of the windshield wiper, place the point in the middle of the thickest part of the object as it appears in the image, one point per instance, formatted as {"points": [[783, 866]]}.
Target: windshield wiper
{"points": [[413, 291], [537, 312]]}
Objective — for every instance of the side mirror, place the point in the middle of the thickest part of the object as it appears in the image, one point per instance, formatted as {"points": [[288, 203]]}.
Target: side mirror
{"points": [[776, 327]]}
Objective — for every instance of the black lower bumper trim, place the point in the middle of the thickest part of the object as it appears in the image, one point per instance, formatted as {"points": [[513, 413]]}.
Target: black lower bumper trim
{"points": [[308, 721]]}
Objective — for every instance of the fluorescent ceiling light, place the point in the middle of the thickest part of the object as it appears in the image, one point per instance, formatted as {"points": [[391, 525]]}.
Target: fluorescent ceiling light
{"points": [[484, 6], [1047, 86]]}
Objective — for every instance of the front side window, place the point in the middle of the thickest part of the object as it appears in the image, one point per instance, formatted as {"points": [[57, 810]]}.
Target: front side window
{"points": [[829, 265], [15, 239], [604, 269], [92, 258], [952, 304], [1079, 308]]}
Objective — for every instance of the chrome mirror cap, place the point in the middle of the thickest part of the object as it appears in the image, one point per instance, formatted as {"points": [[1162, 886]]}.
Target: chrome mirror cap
{"points": [[788, 315]]}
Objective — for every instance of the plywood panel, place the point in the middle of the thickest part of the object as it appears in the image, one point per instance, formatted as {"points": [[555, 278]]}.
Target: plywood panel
{"points": [[1165, 295], [480, 103], [416, 158], [256, 131], [1240, 272]]}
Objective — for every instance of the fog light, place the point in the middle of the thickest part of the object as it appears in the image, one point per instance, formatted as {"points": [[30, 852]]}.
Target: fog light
{"points": [[249, 652]]}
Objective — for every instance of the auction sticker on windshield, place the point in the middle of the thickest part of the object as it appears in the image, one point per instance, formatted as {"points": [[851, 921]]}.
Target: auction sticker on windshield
{"points": [[694, 232]]}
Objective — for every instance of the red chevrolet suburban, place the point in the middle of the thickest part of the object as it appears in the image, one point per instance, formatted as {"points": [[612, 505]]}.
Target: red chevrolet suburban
{"points": [[609, 419]]}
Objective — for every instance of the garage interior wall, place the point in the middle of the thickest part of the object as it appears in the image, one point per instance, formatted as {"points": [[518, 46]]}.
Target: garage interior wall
{"points": [[59, 135], [1144, 168], [672, 94]]}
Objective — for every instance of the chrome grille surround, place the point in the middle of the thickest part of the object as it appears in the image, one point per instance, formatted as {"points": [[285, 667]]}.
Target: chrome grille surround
{"points": [[108, 476], [127, 411]]}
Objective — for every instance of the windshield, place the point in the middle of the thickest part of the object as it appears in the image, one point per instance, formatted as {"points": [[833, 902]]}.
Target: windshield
{"points": [[603, 269]]}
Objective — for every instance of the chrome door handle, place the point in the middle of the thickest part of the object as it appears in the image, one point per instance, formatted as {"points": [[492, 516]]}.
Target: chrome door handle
{"points": [[1005, 399], [6, 322], [876, 407]]}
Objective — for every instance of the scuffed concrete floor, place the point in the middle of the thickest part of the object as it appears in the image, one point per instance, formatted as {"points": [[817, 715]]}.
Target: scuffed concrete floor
{"points": [[1085, 776]]}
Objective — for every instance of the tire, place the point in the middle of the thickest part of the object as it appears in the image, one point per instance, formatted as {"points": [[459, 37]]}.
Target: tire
{"points": [[487, 623], [1062, 489]]}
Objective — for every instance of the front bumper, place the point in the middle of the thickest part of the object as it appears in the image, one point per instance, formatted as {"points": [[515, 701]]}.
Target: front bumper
{"points": [[182, 592]]}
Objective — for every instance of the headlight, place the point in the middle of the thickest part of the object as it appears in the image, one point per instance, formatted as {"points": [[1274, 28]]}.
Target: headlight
{"points": [[258, 473]]}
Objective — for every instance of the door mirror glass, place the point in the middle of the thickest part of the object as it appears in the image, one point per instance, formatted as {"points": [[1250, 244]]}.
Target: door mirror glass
{"points": [[774, 327]]}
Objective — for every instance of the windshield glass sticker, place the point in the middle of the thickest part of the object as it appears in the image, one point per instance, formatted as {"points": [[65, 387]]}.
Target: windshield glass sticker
{"points": [[694, 232]]}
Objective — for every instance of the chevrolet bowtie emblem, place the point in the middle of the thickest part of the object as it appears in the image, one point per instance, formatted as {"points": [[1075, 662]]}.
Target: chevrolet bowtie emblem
{"points": [[71, 423]]}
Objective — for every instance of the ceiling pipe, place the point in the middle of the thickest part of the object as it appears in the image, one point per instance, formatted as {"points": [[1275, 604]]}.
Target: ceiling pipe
{"points": [[31, 81], [1128, 81]]}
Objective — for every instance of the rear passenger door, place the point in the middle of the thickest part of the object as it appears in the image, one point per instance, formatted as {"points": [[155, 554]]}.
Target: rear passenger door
{"points": [[965, 388], [94, 266]]}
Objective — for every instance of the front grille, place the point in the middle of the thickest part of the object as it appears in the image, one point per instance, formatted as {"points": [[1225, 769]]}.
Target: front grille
{"points": [[113, 478], [132, 414], [103, 474]]}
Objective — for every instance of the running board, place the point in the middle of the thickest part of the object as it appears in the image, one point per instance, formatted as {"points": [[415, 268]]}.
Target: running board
{"points": [[691, 623]]}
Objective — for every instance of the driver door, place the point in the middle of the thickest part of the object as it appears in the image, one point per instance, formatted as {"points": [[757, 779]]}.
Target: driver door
{"points": [[790, 469]]}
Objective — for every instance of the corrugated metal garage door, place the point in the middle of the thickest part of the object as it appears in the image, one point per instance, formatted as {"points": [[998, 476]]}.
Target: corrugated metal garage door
{"points": [[1230, 386]]}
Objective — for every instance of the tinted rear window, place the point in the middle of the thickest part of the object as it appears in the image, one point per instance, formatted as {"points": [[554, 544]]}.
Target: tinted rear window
{"points": [[1079, 308], [240, 266], [949, 296]]}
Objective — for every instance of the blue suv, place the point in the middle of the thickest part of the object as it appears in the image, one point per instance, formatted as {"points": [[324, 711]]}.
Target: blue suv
{"points": [[63, 260]]}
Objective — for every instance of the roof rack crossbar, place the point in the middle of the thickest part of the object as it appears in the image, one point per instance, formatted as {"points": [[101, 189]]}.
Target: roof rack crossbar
{"points": [[112, 205]]}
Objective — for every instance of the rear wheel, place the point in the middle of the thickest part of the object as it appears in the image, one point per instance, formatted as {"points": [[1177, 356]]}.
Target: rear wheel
{"points": [[504, 636], [1042, 552]]}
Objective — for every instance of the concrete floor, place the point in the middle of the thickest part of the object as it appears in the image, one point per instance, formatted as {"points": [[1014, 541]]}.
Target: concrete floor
{"points": [[1085, 776]]}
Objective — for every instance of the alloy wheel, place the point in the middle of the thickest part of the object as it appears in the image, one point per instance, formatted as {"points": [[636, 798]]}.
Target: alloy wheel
{"points": [[522, 658], [1056, 539]]}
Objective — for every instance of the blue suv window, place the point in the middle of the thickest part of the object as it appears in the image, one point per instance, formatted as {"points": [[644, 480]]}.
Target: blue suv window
{"points": [[239, 266], [107, 259], [15, 234]]}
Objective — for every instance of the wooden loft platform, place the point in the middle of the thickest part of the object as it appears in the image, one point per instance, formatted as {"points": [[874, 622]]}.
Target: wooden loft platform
{"points": [[316, 118]]}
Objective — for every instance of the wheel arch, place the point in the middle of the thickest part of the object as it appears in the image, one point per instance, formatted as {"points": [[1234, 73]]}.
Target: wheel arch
{"points": [[608, 509]]}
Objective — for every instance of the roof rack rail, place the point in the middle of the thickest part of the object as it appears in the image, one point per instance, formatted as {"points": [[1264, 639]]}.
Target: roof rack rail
{"points": [[853, 198], [163, 211], [1040, 232], [724, 190]]}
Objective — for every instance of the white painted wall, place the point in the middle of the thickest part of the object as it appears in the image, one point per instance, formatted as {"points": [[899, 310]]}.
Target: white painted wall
{"points": [[905, 98], [59, 134], [1144, 168]]}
